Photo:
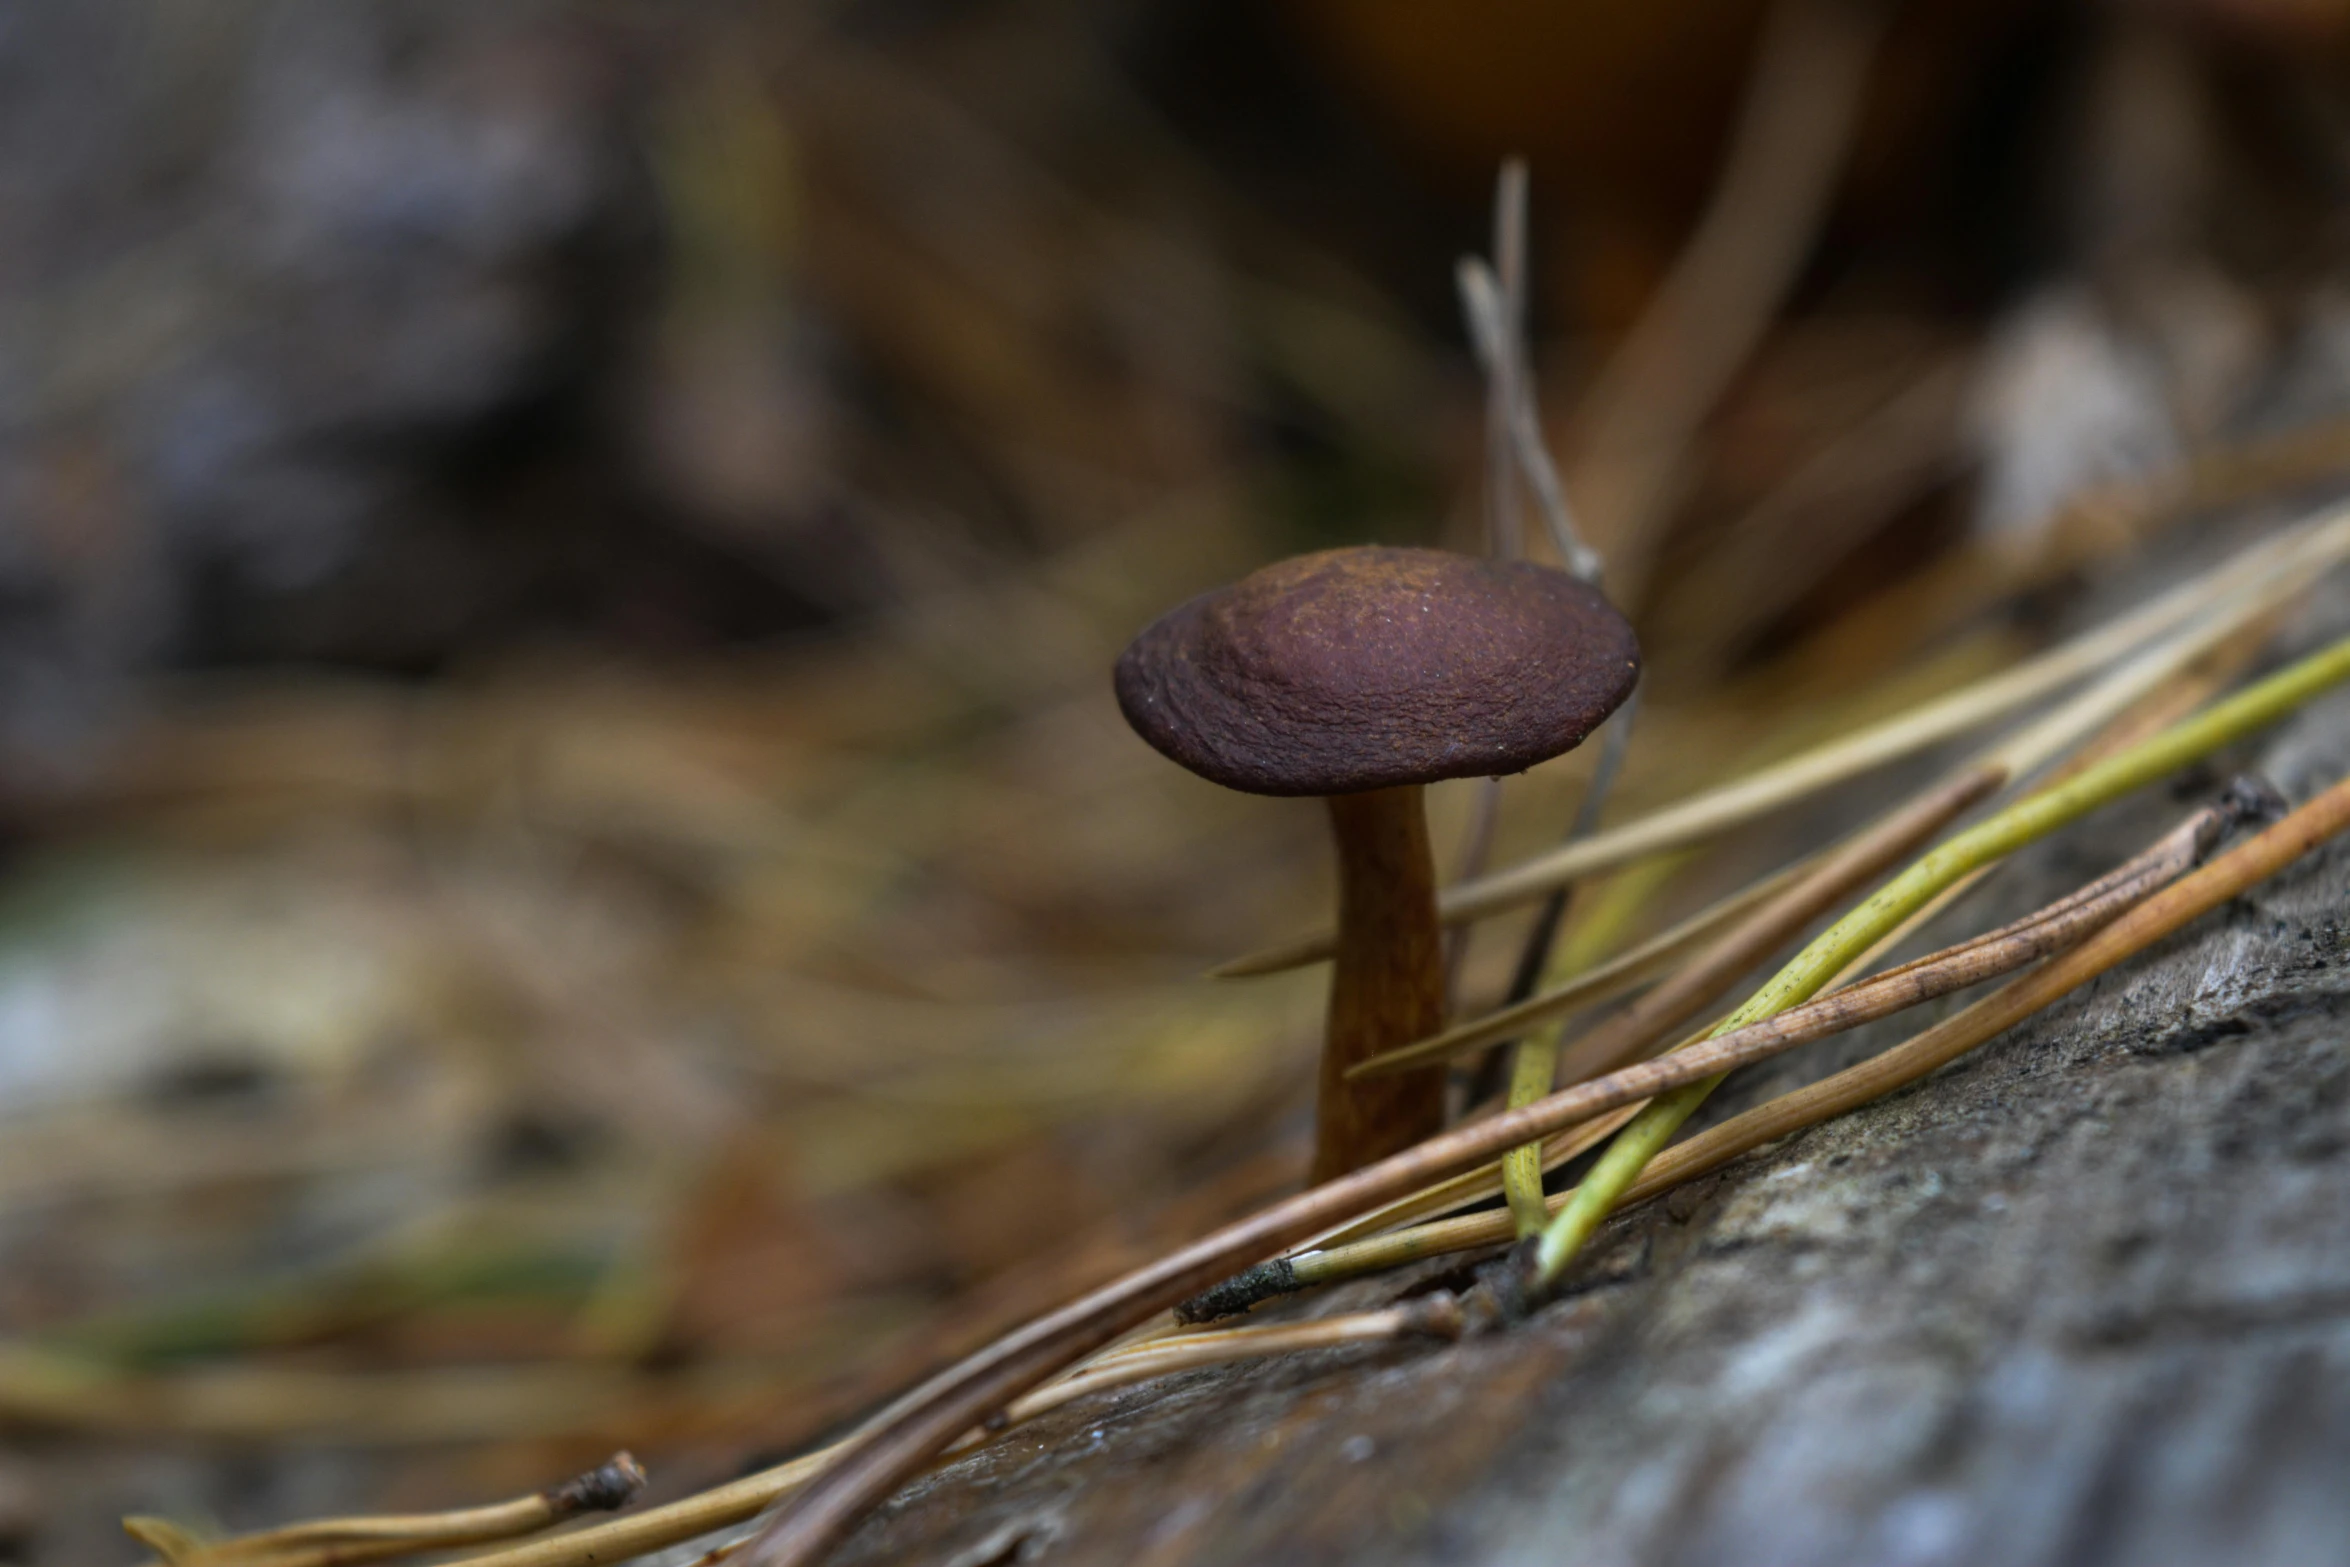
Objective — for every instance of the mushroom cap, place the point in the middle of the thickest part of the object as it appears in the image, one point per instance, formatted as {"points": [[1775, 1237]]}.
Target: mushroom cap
{"points": [[1368, 667]]}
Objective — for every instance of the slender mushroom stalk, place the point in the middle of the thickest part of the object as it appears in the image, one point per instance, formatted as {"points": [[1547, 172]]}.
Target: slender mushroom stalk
{"points": [[1387, 988], [1361, 675]]}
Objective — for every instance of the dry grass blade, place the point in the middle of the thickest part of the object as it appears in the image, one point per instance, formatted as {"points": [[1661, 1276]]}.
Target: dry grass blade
{"points": [[1493, 300], [659, 1528], [1435, 1315], [344, 1542]]}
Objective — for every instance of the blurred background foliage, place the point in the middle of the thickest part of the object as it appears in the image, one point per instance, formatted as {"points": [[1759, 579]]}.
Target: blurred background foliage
{"points": [[573, 875]]}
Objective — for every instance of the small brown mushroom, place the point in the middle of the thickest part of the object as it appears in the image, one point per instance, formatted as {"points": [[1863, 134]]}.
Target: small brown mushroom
{"points": [[1361, 675]]}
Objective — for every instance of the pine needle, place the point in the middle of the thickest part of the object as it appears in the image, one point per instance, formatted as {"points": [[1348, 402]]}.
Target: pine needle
{"points": [[345, 1542]]}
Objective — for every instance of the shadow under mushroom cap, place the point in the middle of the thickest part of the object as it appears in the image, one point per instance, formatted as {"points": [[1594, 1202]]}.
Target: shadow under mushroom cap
{"points": [[1369, 667]]}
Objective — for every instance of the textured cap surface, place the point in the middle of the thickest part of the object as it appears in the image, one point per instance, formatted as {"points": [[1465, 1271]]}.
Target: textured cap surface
{"points": [[1368, 667]]}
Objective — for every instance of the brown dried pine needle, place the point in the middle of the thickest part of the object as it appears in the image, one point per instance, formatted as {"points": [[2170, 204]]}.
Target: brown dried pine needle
{"points": [[345, 1542]]}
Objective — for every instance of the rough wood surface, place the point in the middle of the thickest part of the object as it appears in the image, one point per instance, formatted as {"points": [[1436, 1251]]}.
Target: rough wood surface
{"points": [[2082, 1298]]}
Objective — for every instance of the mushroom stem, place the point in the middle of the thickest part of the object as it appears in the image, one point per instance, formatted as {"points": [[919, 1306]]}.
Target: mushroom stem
{"points": [[1387, 986]]}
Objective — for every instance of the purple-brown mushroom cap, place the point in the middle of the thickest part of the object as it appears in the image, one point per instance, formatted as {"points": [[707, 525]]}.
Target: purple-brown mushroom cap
{"points": [[1369, 667]]}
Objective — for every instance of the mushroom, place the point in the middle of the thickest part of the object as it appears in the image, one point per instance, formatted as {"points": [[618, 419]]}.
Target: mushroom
{"points": [[1362, 675]]}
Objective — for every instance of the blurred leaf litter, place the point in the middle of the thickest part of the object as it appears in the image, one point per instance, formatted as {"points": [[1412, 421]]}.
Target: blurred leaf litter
{"points": [[577, 880]]}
